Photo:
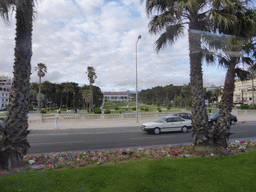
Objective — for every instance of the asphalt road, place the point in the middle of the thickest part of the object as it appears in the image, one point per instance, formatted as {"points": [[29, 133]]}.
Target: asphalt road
{"points": [[51, 141]]}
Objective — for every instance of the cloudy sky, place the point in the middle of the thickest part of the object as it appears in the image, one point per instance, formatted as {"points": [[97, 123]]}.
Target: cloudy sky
{"points": [[70, 35]]}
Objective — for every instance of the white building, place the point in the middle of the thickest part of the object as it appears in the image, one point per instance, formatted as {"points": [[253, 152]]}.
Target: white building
{"points": [[243, 89], [4, 97], [117, 97], [5, 89]]}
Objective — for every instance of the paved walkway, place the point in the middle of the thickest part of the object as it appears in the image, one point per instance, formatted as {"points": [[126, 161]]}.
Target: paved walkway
{"points": [[107, 123]]}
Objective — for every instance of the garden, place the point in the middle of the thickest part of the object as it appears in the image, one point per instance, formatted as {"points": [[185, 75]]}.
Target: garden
{"points": [[173, 167]]}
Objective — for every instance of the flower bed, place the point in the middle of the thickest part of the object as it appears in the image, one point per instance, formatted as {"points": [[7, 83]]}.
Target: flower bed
{"points": [[93, 158]]}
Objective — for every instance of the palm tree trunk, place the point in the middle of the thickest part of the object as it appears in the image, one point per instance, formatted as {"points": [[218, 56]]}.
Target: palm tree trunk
{"points": [[14, 143], [39, 100], [200, 133], [223, 125], [91, 100]]}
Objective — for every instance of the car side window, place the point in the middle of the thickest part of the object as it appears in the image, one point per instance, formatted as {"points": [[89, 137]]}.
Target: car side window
{"points": [[169, 120]]}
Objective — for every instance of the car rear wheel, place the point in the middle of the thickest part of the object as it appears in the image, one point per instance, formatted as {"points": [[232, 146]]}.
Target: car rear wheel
{"points": [[157, 131], [184, 129]]}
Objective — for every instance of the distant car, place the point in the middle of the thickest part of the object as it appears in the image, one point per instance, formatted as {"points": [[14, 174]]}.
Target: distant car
{"points": [[166, 124], [214, 117], [183, 115]]}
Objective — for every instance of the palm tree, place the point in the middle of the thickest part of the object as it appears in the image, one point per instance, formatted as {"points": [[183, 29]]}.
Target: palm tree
{"points": [[67, 88], [198, 15], [14, 136], [233, 46], [41, 70], [91, 76]]}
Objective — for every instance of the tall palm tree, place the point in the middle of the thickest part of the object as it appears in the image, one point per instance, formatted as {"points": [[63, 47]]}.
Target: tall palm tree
{"points": [[240, 41], [14, 136], [68, 88], [91, 76], [173, 16], [41, 70]]}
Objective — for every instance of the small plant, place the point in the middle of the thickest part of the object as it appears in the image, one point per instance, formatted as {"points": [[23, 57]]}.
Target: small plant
{"points": [[97, 111], [146, 109], [44, 111], [107, 111]]}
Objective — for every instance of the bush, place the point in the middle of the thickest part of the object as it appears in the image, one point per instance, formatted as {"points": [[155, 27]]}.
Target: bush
{"points": [[107, 111], [146, 109], [244, 106], [44, 111], [134, 108], [31, 108], [97, 111]]}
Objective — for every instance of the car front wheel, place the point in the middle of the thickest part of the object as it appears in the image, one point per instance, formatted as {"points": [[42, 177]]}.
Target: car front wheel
{"points": [[184, 129], [157, 131]]}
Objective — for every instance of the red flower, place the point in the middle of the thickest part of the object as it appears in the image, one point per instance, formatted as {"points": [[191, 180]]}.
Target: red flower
{"points": [[137, 156]]}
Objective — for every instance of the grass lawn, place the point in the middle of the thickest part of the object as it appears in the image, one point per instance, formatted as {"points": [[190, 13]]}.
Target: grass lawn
{"points": [[225, 173]]}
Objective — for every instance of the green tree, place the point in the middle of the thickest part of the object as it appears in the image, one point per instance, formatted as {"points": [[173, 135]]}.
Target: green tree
{"points": [[67, 88], [41, 70], [91, 76], [14, 135], [198, 15]]}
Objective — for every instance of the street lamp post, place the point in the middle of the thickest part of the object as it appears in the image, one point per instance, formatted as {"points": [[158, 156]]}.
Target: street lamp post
{"points": [[137, 81]]}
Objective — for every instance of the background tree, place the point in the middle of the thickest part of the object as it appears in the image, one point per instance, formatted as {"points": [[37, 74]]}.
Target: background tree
{"points": [[199, 15], [91, 76], [67, 88], [41, 70], [14, 141]]}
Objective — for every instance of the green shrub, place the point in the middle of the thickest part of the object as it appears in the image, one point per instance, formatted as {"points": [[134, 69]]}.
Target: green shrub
{"points": [[31, 108], [134, 108], [44, 111], [107, 111], [244, 106], [97, 111], [146, 109]]}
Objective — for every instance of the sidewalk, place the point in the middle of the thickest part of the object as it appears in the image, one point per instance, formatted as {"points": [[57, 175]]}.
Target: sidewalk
{"points": [[107, 123]]}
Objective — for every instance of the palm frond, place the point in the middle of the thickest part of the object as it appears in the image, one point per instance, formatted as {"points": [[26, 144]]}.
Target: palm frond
{"points": [[172, 33]]}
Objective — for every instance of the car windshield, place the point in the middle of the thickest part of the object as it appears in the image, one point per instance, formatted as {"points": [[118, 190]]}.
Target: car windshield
{"points": [[161, 120], [215, 115]]}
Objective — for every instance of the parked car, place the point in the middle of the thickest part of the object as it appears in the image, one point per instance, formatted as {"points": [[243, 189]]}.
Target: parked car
{"points": [[183, 115], [166, 124], [214, 117]]}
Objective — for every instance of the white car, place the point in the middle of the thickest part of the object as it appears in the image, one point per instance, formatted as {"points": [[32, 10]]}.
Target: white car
{"points": [[166, 124]]}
